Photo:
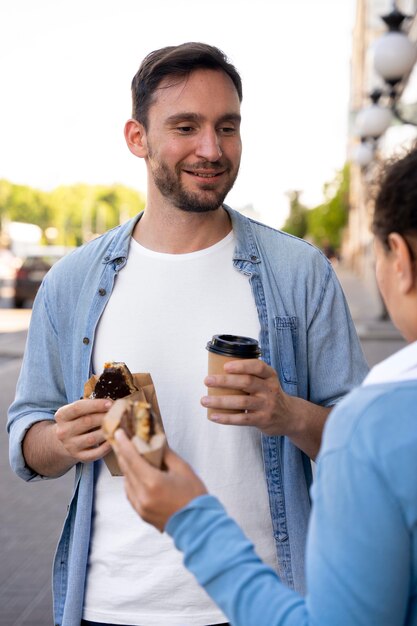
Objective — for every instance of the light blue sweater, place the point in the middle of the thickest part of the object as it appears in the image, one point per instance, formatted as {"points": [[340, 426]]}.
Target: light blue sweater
{"points": [[362, 540]]}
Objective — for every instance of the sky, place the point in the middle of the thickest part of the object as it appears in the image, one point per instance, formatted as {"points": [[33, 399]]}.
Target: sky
{"points": [[66, 67]]}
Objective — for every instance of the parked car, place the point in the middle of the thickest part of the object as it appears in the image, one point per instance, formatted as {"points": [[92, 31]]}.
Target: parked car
{"points": [[8, 265], [32, 271]]}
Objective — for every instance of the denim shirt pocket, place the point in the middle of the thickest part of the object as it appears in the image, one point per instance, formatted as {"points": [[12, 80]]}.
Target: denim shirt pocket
{"points": [[286, 328]]}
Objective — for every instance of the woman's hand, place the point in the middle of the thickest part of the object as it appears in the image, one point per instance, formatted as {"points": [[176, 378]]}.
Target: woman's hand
{"points": [[153, 493]]}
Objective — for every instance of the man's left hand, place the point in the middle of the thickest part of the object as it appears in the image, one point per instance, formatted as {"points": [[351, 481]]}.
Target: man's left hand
{"points": [[264, 404]]}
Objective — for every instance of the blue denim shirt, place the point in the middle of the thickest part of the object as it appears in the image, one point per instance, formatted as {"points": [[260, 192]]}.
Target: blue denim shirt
{"points": [[306, 334]]}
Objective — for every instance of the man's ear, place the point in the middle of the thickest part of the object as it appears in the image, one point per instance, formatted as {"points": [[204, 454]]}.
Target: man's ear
{"points": [[403, 263], [135, 135]]}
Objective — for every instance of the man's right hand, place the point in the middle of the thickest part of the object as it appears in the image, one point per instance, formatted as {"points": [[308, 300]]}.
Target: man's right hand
{"points": [[78, 428], [52, 447]]}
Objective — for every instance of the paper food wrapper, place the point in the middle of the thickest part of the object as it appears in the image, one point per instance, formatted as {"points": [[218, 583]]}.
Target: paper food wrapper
{"points": [[153, 451]]}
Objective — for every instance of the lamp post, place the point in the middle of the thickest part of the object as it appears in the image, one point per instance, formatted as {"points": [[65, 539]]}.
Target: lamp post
{"points": [[394, 58], [394, 53]]}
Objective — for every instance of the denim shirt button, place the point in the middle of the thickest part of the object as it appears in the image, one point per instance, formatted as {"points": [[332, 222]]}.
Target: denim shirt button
{"points": [[253, 258], [102, 292], [86, 340]]}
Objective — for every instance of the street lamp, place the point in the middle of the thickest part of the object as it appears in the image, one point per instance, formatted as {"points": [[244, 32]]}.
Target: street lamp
{"points": [[394, 58], [370, 124], [394, 53], [373, 120], [363, 153]]}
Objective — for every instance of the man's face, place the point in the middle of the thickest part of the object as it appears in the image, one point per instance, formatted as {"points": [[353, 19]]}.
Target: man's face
{"points": [[193, 140]]}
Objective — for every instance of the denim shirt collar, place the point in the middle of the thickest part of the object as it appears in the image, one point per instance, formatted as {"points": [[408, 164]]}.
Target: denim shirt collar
{"points": [[246, 247], [118, 248], [245, 250]]}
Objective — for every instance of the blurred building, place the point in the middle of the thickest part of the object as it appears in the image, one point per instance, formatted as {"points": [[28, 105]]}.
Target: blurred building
{"points": [[357, 248]]}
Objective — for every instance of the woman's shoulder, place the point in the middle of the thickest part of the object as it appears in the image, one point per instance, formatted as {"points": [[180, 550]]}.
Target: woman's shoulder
{"points": [[374, 421]]}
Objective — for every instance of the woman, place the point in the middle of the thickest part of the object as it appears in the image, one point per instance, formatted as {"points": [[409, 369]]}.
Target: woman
{"points": [[362, 542]]}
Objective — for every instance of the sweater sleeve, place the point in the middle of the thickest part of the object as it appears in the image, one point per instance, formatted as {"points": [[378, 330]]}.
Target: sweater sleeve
{"points": [[358, 555], [224, 562]]}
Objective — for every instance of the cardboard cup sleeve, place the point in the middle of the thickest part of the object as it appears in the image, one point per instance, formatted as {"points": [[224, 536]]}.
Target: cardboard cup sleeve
{"points": [[153, 451]]}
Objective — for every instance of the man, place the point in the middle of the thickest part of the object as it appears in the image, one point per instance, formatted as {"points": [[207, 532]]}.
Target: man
{"points": [[151, 293]]}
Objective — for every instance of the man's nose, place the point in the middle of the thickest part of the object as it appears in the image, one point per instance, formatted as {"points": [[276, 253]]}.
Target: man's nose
{"points": [[208, 145]]}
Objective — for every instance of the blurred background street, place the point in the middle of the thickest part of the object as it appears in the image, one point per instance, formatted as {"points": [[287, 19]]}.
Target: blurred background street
{"points": [[31, 515]]}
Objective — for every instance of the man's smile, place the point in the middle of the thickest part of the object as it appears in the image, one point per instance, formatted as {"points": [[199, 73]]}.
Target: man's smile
{"points": [[206, 173]]}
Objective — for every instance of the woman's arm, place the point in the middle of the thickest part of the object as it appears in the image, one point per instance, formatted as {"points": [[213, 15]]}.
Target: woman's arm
{"points": [[358, 557]]}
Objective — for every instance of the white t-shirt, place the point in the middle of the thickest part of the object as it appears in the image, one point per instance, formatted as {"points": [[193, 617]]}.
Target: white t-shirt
{"points": [[162, 312]]}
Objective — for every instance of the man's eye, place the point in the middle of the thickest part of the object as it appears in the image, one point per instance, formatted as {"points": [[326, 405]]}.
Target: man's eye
{"points": [[185, 129], [228, 130]]}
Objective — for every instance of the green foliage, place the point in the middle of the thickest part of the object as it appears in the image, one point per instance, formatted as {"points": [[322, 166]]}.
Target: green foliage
{"points": [[325, 222], [5, 193], [296, 223], [78, 212], [323, 225], [22, 204]]}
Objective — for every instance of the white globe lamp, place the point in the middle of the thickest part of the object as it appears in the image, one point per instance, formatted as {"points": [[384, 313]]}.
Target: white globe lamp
{"points": [[394, 56], [363, 154], [373, 121]]}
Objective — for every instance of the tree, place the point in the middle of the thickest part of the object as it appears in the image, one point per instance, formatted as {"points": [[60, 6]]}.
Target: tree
{"points": [[5, 194], [325, 222], [78, 212], [20, 203], [296, 223]]}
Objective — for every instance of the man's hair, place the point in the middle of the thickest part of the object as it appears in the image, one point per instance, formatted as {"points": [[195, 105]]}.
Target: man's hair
{"points": [[176, 61], [396, 201]]}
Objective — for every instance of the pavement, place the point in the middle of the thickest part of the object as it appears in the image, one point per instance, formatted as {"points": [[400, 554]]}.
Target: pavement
{"points": [[31, 515], [365, 305], [378, 335], [13, 331]]}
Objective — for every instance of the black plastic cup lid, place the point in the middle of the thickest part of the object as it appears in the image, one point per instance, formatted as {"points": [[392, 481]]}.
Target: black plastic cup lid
{"points": [[233, 345]]}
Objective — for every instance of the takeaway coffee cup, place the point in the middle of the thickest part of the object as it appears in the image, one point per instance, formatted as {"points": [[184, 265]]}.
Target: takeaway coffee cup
{"points": [[224, 348]]}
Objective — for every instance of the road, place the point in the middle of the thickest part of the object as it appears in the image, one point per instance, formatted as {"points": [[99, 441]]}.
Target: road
{"points": [[31, 517]]}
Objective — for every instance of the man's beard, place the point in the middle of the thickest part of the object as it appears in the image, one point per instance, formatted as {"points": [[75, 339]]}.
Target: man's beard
{"points": [[170, 185]]}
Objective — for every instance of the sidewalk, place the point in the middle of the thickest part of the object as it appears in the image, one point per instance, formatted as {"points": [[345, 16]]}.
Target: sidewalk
{"points": [[13, 330], [13, 320], [12, 344], [379, 338], [365, 306]]}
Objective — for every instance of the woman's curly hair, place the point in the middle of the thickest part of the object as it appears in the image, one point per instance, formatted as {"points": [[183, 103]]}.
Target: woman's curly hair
{"points": [[396, 200]]}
